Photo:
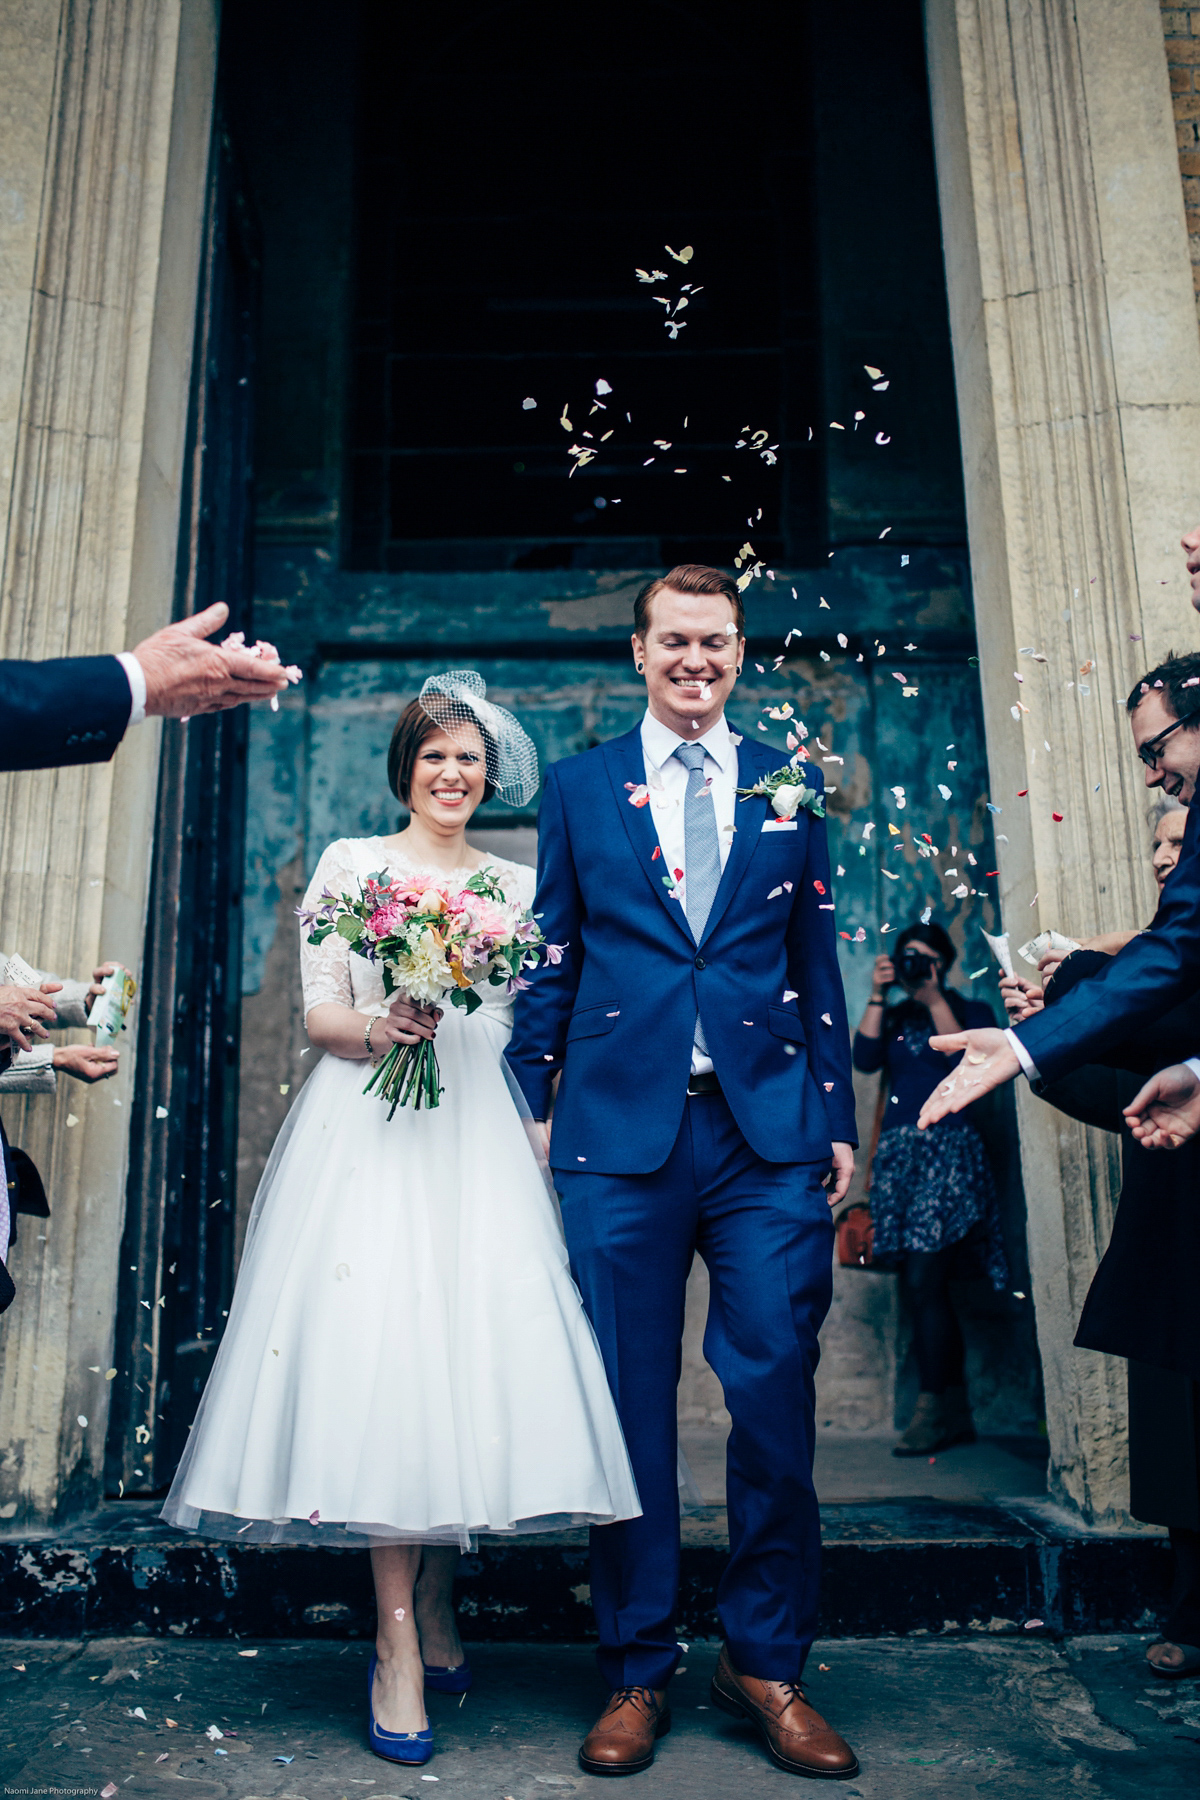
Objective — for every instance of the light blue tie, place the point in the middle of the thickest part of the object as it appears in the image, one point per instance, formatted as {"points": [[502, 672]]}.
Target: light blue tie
{"points": [[701, 852]]}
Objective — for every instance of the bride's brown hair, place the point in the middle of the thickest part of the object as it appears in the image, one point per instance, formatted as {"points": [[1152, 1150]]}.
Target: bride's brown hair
{"points": [[414, 725]]}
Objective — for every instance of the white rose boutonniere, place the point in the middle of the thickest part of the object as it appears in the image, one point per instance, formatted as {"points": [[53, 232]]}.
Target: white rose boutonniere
{"points": [[788, 792], [785, 801]]}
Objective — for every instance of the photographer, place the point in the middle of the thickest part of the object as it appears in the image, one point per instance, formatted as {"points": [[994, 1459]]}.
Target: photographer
{"points": [[933, 1201]]}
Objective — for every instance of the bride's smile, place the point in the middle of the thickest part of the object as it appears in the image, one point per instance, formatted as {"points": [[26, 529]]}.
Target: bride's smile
{"points": [[448, 781]]}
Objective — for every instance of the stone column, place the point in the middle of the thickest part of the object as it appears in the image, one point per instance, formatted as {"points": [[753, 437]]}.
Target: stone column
{"points": [[107, 110], [1078, 373]]}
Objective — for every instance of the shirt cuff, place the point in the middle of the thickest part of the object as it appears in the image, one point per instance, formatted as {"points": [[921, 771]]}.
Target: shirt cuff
{"points": [[136, 677], [1193, 1063], [1028, 1067]]}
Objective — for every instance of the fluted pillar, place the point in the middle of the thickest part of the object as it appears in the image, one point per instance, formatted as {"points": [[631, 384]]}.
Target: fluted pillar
{"points": [[106, 108], [1078, 374]]}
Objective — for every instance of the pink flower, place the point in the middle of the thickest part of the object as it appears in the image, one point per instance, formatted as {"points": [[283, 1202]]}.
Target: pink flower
{"points": [[491, 920], [387, 920]]}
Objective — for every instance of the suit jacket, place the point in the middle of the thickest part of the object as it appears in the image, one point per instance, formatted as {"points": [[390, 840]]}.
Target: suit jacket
{"points": [[618, 1014], [1142, 1302], [73, 709], [1149, 977]]}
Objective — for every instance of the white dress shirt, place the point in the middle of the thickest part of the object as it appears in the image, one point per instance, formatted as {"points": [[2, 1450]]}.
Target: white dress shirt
{"points": [[667, 780], [1028, 1066], [135, 675]]}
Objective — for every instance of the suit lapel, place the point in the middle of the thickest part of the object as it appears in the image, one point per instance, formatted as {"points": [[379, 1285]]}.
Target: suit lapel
{"points": [[626, 765], [748, 818]]}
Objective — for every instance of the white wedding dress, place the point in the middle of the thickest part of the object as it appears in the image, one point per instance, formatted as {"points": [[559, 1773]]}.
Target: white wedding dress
{"points": [[407, 1358]]}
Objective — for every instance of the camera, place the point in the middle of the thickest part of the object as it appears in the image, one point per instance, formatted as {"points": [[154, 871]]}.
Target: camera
{"points": [[913, 965]]}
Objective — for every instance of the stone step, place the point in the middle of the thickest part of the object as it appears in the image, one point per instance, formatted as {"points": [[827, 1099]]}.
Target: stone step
{"points": [[906, 1567]]}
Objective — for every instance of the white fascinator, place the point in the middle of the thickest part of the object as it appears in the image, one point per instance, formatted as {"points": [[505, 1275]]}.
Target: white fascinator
{"points": [[457, 701]]}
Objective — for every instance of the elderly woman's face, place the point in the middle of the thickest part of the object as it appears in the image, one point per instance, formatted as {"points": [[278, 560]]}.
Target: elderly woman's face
{"points": [[1168, 841]]}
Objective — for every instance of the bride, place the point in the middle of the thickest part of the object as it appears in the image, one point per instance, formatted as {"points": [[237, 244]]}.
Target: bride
{"points": [[407, 1361]]}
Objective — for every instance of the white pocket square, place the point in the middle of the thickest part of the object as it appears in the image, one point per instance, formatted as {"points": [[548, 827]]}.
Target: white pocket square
{"points": [[780, 825]]}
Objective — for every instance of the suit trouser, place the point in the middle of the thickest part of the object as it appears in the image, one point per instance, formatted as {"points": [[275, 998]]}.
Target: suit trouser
{"points": [[765, 1233]]}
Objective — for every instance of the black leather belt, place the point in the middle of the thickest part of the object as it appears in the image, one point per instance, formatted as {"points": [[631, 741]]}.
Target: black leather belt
{"points": [[706, 1083]]}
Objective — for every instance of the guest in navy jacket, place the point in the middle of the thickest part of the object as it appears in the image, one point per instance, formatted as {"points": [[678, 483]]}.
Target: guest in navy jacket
{"points": [[76, 709], [698, 1024], [1153, 973]]}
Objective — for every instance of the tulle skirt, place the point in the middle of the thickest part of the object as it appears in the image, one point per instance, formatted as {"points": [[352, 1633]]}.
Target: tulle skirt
{"points": [[406, 1358]]}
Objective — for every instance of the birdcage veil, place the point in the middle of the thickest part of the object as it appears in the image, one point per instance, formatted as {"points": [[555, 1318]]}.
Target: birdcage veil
{"points": [[457, 701]]}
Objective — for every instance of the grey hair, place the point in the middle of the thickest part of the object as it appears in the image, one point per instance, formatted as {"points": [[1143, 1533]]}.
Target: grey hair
{"points": [[1159, 807]]}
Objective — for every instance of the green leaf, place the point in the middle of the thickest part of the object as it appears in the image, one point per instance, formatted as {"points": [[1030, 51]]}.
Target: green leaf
{"points": [[352, 929], [467, 999]]}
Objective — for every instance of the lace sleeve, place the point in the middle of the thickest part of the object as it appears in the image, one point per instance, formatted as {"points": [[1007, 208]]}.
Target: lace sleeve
{"points": [[519, 881], [325, 967]]}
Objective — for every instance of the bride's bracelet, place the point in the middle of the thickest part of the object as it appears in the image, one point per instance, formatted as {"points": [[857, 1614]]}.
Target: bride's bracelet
{"points": [[371, 1024]]}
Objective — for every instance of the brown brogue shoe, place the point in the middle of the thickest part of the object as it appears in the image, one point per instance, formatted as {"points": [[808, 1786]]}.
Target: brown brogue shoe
{"points": [[622, 1740], [796, 1736]]}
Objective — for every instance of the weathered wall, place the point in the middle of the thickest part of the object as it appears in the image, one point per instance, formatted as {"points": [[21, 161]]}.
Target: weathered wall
{"points": [[1181, 33], [108, 107]]}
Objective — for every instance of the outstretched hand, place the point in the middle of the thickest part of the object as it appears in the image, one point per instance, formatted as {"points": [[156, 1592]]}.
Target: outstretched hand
{"points": [[989, 1060], [25, 1012], [87, 1062], [186, 675], [1166, 1112]]}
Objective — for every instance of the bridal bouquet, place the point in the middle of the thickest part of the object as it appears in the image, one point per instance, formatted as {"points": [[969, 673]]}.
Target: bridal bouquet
{"points": [[431, 939]]}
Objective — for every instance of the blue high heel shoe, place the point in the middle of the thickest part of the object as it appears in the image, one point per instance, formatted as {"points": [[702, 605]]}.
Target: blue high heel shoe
{"points": [[397, 1746], [448, 1681]]}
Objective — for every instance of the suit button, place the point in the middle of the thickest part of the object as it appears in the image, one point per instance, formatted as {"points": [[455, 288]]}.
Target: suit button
{"points": [[700, 963]]}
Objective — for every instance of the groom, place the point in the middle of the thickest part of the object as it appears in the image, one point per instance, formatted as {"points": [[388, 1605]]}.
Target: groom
{"points": [[706, 1105]]}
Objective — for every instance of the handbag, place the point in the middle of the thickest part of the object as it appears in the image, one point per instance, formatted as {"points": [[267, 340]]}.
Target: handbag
{"points": [[855, 1232], [855, 1237]]}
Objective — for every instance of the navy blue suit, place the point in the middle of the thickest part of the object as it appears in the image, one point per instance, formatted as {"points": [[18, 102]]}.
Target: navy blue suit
{"points": [[648, 1175], [73, 709], [1158, 970]]}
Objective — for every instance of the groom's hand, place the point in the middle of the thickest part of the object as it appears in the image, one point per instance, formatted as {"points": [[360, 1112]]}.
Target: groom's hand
{"points": [[542, 1128], [841, 1174]]}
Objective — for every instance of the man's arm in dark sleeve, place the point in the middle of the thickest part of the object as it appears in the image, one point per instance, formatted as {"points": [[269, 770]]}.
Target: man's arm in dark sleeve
{"points": [[1089, 1094], [73, 709], [1152, 974], [538, 1044]]}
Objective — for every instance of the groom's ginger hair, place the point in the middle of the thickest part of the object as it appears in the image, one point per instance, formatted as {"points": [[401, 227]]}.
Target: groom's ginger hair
{"points": [[690, 578]]}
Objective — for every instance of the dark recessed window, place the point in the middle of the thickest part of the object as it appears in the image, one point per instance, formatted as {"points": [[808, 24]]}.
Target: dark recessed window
{"points": [[516, 164]]}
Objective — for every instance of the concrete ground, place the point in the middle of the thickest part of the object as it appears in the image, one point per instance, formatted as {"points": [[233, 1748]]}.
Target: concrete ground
{"points": [[964, 1716], [862, 1468]]}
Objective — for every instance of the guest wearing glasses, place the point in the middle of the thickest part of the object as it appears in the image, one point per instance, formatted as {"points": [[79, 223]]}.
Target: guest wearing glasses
{"points": [[1155, 971]]}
